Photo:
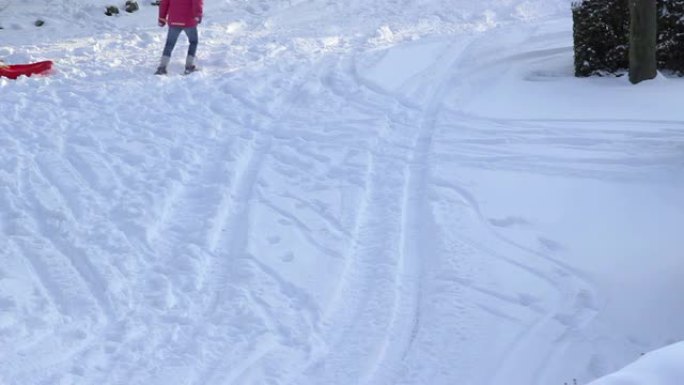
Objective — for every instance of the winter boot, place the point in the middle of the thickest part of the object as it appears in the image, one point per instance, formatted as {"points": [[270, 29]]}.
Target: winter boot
{"points": [[161, 70], [190, 66]]}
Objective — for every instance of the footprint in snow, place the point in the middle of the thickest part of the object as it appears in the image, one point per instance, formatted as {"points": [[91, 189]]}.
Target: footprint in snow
{"points": [[550, 244], [509, 221], [289, 257]]}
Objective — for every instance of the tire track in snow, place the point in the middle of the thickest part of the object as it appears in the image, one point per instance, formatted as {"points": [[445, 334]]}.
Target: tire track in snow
{"points": [[228, 268], [65, 243], [370, 283], [333, 223], [210, 215], [603, 150], [227, 239], [176, 241], [576, 293], [291, 313], [338, 363], [64, 274], [419, 245], [396, 181], [573, 309], [302, 228], [50, 215]]}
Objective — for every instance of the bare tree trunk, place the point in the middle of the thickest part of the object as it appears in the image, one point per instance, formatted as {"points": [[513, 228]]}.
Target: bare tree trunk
{"points": [[642, 40]]}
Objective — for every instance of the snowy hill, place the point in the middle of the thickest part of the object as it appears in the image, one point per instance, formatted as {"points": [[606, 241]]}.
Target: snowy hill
{"points": [[353, 192]]}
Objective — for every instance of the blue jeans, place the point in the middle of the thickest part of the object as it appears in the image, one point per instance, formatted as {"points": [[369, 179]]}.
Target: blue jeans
{"points": [[172, 38]]}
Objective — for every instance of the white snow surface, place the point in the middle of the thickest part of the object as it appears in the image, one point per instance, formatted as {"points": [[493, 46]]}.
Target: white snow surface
{"points": [[661, 367], [348, 192]]}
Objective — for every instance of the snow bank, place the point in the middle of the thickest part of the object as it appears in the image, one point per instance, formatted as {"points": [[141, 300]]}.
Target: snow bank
{"points": [[660, 367]]}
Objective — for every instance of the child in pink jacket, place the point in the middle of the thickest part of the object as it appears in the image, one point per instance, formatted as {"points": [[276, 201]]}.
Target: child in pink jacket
{"points": [[181, 16]]}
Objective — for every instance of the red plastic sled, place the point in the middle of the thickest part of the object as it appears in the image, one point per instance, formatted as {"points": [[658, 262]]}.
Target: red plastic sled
{"points": [[16, 70]]}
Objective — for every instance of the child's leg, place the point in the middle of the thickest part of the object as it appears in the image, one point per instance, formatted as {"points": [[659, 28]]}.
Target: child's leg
{"points": [[171, 39], [193, 39]]}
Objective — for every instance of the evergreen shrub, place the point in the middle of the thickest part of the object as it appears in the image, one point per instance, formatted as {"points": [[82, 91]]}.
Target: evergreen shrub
{"points": [[670, 48], [601, 36]]}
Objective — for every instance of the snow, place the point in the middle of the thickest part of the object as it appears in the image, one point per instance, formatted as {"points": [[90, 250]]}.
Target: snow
{"points": [[661, 367], [352, 192]]}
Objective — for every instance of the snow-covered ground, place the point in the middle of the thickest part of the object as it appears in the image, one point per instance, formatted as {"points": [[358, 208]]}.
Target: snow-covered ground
{"points": [[661, 367], [349, 192]]}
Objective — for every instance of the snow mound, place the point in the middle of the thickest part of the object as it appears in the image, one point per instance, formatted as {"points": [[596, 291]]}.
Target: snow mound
{"points": [[661, 367]]}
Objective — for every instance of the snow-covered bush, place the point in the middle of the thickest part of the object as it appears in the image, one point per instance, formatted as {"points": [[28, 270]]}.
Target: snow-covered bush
{"points": [[601, 34]]}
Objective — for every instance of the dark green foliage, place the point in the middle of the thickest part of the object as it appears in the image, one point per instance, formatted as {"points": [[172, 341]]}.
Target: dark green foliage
{"points": [[670, 49], [39, 23], [112, 10], [601, 34], [156, 2], [600, 31], [642, 40], [131, 6]]}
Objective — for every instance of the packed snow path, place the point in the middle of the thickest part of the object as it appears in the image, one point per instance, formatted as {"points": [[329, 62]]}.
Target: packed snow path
{"points": [[406, 202]]}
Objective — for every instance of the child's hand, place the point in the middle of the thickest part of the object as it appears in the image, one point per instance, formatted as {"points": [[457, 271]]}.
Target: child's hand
{"points": [[198, 19], [162, 22]]}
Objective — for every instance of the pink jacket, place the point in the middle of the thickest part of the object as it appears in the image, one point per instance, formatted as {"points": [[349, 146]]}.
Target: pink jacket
{"points": [[180, 13]]}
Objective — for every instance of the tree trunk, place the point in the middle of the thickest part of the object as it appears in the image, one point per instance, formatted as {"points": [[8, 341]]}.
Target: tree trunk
{"points": [[642, 40]]}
